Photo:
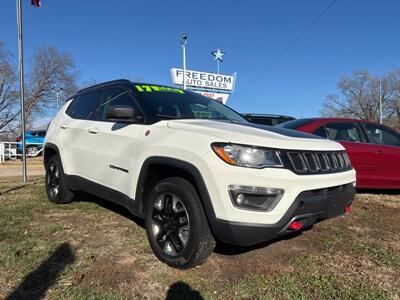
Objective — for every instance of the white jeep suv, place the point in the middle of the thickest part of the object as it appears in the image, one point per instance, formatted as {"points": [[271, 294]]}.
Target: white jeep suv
{"points": [[194, 169]]}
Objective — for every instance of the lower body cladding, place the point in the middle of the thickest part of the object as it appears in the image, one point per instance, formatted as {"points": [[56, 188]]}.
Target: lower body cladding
{"points": [[308, 208]]}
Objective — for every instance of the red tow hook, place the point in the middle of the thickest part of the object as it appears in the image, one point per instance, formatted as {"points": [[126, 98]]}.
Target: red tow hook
{"points": [[348, 208], [295, 225]]}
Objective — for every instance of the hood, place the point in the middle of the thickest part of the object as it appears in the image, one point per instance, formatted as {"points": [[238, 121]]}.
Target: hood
{"points": [[257, 135]]}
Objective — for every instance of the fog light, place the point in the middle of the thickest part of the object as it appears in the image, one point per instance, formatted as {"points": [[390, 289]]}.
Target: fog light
{"points": [[255, 198], [239, 199]]}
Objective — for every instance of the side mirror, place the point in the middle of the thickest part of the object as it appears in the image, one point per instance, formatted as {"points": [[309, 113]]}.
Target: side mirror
{"points": [[122, 113]]}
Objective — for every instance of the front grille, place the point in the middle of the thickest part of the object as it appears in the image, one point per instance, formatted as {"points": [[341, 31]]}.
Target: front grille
{"points": [[302, 162]]}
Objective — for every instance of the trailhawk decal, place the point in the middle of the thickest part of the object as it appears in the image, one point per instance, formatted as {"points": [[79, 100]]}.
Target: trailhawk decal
{"points": [[119, 168], [157, 88]]}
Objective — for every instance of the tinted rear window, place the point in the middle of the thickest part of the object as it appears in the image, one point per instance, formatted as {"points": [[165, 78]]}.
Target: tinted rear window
{"points": [[295, 123]]}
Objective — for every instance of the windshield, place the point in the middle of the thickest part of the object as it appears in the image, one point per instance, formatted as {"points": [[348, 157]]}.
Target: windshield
{"points": [[173, 103]]}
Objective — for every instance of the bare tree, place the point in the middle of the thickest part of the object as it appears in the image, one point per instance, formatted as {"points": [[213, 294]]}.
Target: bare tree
{"points": [[50, 69], [360, 97], [8, 90]]}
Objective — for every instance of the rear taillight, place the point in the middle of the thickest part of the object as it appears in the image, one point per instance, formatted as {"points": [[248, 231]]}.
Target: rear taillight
{"points": [[348, 208]]}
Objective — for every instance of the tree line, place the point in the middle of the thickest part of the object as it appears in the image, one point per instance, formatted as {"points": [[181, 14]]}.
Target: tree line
{"points": [[359, 97], [49, 70]]}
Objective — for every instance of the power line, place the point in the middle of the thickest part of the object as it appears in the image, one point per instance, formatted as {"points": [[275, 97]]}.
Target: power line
{"points": [[290, 46]]}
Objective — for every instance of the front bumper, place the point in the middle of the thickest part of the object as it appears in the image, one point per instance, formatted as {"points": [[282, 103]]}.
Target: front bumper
{"points": [[309, 207]]}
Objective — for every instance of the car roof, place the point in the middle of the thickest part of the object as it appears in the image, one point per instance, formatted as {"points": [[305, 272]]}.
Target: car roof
{"points": [[330, 119], [266, 115], [36, 130]]}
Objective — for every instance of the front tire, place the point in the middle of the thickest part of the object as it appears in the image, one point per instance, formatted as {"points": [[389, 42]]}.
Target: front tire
{"points": [[176, 225], [56, 188]]}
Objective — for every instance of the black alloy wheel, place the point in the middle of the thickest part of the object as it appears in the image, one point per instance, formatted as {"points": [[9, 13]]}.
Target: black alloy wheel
{"points": [[170, 224], [53, 179]]}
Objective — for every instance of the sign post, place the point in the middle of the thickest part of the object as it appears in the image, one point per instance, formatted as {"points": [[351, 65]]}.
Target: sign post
{"points": [[218, 57]]}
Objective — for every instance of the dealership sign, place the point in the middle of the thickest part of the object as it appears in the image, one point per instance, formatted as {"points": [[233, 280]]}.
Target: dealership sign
{"points": [[220, 97], [203, 80]]}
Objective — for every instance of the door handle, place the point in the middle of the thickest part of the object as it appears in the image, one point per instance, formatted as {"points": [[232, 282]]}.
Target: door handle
{"points": [[379, 152], [64, 126], [93, 130]]}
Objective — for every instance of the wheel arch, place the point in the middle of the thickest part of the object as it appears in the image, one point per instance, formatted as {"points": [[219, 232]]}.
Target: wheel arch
{"points": [[49, 151], [157, 167]]}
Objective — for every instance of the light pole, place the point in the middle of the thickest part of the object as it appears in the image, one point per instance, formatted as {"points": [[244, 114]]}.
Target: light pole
{"points": [[183, 44], [380, 95], [57, 92], [21, 83]]}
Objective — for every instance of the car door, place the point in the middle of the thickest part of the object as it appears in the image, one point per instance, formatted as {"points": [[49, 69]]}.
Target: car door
{"points": [[385, 145], [350, 135], [77, 149], [38, 138], [114, 145]]}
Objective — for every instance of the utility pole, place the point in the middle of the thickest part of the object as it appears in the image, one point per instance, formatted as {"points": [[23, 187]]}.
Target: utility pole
{"points": [[183, 44], [380, 100], [22, 89]]}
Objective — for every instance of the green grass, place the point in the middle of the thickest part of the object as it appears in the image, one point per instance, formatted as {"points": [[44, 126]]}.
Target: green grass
{"points": [[379, 254], [302, 285], [108, 257]]}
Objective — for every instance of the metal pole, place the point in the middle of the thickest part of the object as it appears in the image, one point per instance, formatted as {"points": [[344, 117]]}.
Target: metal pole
{"points": [[380, 100], [184, 64], [218, 66], [57, 100], [21, 83]]}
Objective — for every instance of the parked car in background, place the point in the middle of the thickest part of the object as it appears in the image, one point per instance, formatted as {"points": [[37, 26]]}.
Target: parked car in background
{"points": [[374, 149], [266, 119], [34, 140]]}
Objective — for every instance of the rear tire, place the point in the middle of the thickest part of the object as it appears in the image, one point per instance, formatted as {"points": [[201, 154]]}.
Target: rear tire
{"points": [[56, 188], [176, 224]]}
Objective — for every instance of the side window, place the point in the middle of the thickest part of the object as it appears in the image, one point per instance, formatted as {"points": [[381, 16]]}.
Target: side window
{"points": [[70, 107], [321, 132], [85, 106], [170, 110], [112, 97], [381, 135], [342, 132]]}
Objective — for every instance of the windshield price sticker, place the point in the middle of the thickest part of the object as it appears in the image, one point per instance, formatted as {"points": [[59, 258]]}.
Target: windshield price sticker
{"points": [[157, 88]]}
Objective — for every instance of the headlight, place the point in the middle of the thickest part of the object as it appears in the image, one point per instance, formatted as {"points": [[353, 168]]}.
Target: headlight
{"points": [[247, 156]]}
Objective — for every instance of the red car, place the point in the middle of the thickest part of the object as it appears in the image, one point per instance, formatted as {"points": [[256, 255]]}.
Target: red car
{"points": [[374, 149]]}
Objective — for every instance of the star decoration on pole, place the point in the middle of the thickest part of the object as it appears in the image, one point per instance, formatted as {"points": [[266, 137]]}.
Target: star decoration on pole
{"points": [[218, 55]]}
